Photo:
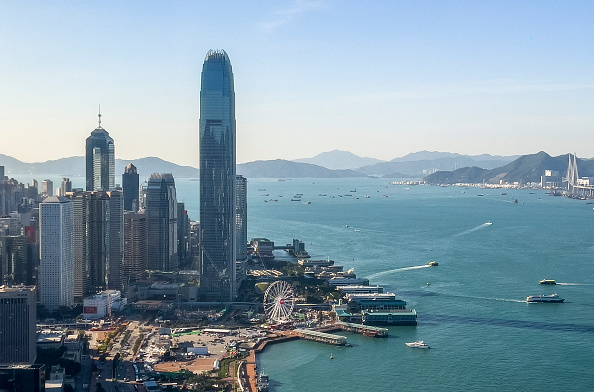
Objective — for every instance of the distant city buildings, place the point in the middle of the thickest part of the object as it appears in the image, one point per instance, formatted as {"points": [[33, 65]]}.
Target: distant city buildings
{"points": [[100, 160], [47, 188], [65, 186], [18, 332], [57, 254], [217, 179]]}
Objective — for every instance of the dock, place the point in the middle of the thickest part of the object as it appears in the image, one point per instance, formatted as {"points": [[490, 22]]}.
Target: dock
{"points": [[322, 337], [366, 330]]}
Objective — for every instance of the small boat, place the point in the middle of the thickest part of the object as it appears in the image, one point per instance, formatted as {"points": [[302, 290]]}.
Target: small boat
{"points": [[553, 298], [306, 202], [547, 281], [419, 344], [433, 264], [331, 356]]}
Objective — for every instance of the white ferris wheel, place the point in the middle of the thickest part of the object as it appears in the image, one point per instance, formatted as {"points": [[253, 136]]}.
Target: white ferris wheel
{"points": [[279, 301]]}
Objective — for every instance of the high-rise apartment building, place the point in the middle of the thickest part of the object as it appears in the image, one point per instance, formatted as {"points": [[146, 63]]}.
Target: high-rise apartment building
{"points": [[18, 332], [217, 178], [130, 186], [56, 252], [100, 158], [161, 210]]}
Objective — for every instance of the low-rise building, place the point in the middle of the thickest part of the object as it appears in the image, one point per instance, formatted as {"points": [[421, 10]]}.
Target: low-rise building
{"points": [[99, 305]]}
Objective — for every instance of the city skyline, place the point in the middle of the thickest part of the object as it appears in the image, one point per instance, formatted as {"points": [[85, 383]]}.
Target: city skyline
{"points": [[496, 78]]}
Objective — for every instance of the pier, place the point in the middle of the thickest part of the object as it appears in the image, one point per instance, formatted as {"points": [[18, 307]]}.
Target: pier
{"points": [[366, 330], [322, 337]]}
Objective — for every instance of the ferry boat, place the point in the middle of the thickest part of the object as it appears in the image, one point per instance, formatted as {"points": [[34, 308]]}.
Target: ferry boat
{"points": [[547, 281], [419, 344], [553, 298]]}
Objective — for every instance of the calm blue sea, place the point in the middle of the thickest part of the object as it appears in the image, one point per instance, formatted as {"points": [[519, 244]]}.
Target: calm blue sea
{"points": [[472, 308]]}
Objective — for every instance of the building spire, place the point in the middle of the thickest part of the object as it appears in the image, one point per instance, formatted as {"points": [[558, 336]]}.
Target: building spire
{"points": [[99, 116]]}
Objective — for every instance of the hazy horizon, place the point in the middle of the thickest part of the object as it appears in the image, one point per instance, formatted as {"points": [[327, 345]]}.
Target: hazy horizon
{"points": [[380, 79]]}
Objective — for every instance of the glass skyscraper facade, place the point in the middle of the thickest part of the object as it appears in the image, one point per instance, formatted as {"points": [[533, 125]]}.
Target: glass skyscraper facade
{"points": [[217, 179], [100, 157]]}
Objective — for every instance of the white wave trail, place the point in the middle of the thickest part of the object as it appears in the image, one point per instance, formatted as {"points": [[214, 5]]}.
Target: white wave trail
{"points": [[378, 274], [486, 224]]}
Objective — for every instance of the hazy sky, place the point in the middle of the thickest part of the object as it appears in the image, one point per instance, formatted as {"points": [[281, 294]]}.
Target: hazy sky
{"points": [[377, 78]]}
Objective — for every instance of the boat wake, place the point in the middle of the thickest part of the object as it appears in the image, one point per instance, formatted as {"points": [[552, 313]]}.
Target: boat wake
{"points": [[486, 224], [575, 284], [477, 297], [378, 274]]}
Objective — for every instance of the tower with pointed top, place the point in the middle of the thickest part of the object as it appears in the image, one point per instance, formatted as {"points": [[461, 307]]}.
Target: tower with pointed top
{"points": [[217, 179], [100, 158]]}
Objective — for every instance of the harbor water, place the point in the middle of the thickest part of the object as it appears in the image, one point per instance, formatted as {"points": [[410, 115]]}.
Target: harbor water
{"points": [[472, 308]]}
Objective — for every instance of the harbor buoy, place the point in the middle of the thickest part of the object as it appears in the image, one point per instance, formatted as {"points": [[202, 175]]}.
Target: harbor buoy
{"points": [[428, 283]]}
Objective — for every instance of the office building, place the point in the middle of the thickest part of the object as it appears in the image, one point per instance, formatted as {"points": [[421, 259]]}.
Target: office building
{"points": [[130, 186], [98, 241], [56, 252], [18, 332], [241, 217], [217, 179], [135, 247], [22, 378], [100, 160], [183, 237], [161, 210], [116, 239], [17, 264]]}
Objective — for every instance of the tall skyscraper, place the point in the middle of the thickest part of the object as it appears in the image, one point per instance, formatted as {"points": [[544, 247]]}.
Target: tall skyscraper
{"points": [[57, 253], [217, 178], [98, 242], [241, 217], [18, 333], [116, 240], [100, 157], [161, 210], [130, 186], [135, 247]]}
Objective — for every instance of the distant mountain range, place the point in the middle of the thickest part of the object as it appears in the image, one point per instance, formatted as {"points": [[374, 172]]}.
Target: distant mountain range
{"points": [[446, 167], [337, 160], [527, 168], [76, 167]]}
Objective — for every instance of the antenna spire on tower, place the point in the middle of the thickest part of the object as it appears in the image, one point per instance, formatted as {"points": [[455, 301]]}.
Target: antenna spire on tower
{"points": [[99, 116]]}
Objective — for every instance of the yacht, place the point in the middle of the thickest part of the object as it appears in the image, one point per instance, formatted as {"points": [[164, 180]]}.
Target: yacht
{"points": [[553, 298], [419, 344], [547, 281]]}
